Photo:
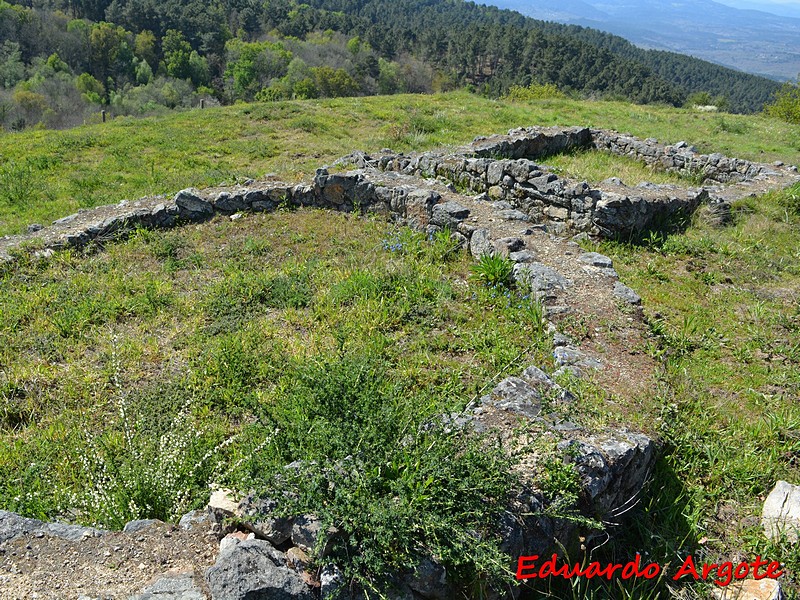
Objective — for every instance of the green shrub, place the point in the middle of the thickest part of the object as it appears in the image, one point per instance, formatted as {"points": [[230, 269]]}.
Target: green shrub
{"points": [[151, 461], [786, 105], [375, 462], [244, 292], [790, 200]]}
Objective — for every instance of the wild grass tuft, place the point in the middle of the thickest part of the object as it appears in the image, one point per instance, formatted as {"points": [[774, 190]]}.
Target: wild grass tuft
{"points": [[493, 270]]}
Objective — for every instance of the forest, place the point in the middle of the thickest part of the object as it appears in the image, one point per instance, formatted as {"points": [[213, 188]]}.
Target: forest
{"points": [[63, 61]]}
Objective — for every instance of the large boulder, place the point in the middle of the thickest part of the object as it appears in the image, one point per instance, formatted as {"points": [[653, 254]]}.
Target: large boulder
{"points": [[255, 570]]}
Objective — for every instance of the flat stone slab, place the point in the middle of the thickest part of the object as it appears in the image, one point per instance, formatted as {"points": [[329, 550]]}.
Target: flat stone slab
{"points": [[596, 260], [13, 526], [781, 513], [539, 277]]}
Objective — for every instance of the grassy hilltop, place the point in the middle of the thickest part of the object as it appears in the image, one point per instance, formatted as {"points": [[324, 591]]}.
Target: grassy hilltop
{"points": [[49, 174], [134, 375]]}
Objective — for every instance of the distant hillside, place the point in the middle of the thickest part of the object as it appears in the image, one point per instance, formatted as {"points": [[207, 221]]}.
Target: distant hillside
{"points": [[64, 61], [506, 47], [745, 38]]}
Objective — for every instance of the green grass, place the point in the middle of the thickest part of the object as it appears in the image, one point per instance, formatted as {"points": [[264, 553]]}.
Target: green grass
{"points": [[595, 166], [45, 175], [136, 376], [723, 303], [231, 331]]}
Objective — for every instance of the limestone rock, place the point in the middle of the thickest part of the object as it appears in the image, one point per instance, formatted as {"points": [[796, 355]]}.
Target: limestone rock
{"points": [[613, 468], [192, 206], [537, 378], [331, 581], [514, 215], [559, 339], [507, 245], [459, 240], [429, 579], [231, 203], [480, 243], [306, 532], [516, 396], [174, 587], [139, 525], [193, 519], [570, 356], [596, 260], [539, 277], [781, 513], [13, 526], [449, 214], [418, 207], [257, 516], [750, 589], [626, 294], [522, 256], [254, 570], [297, 559], [222, 501]]}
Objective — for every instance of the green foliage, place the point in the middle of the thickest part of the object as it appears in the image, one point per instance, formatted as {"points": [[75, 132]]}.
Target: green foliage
{"points": [[395, 484], [177, 53], [373, 47], [20, 186], [242, 295], [698, 99], [144, 73], [12, 69], [147, 463], [389, 79], [790, 200], [493, 270], [110, 51], [334, 83], [253, 65], [731, 126], [786, 105], [354, 45], [158, 155], [55, 63], [93, 90], [146, 48]]}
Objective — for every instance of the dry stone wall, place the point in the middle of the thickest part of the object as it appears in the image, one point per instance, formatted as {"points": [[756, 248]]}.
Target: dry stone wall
{"points": [[496, 168], [680, 158], [503, 168]]}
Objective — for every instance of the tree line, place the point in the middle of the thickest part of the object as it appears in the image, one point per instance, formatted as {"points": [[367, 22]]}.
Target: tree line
{"points": [[63, 60]]}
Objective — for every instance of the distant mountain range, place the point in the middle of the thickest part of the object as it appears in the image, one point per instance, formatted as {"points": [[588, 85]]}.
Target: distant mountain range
{"points": [[750, 40], [787, 8]]}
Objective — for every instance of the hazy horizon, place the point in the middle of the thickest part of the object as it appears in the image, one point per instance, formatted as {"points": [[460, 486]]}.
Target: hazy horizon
{"points": [[726, 32], [784, 8]]}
